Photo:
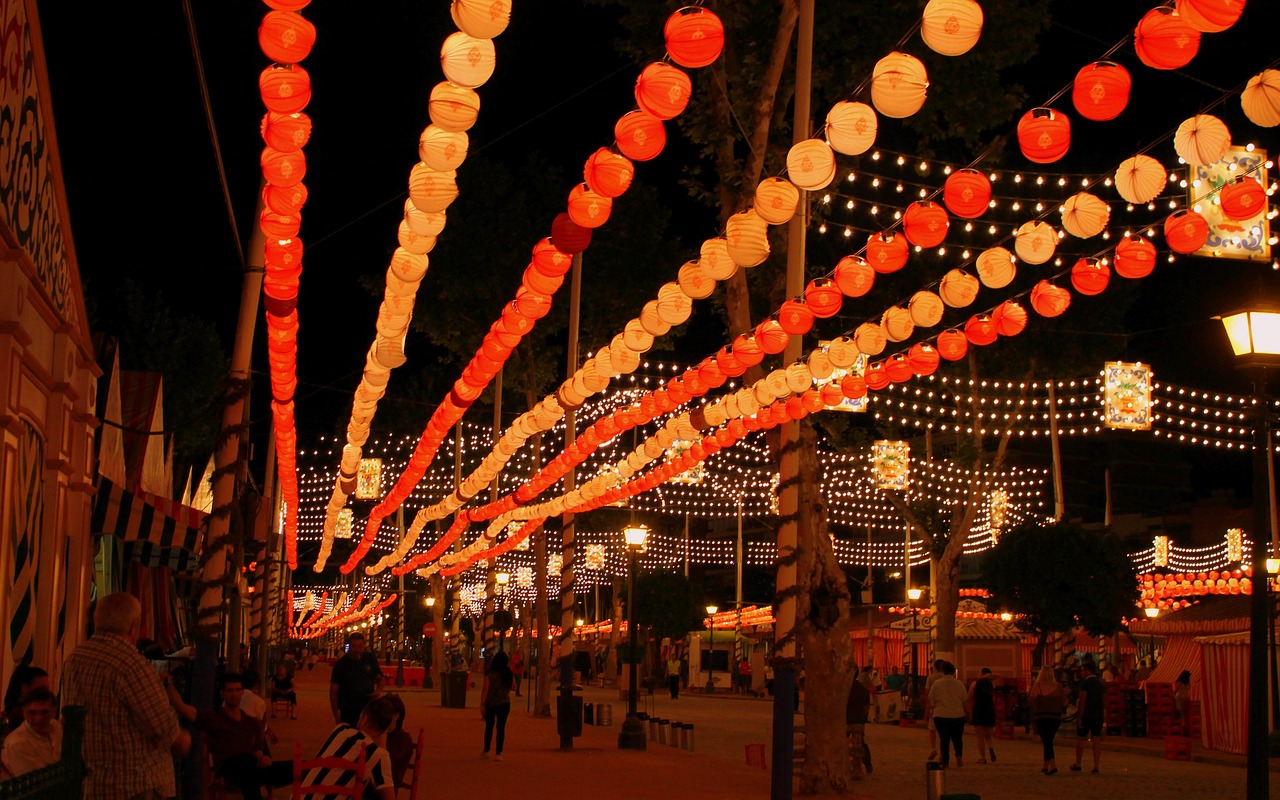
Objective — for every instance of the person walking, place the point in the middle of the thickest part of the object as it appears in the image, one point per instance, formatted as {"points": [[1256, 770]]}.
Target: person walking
{"points": [[495, 703], [673, 676], [129, 728], [946, 701], [1090, 716], [1047, 702], [354, 680], [934, 675], [517, 670], [982, 713], [856, 716]]}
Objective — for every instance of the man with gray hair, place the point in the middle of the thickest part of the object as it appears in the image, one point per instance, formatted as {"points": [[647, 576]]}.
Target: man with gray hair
{"points": [[130, 727]]}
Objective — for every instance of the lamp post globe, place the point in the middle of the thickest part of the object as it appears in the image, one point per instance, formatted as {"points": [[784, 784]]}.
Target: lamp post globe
{"points": [[1254, 334], [631, 736], [711, 649]]}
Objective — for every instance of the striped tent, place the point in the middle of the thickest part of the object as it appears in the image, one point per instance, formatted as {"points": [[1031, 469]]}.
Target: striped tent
{"points": [[155, 531], [1224, 707]]}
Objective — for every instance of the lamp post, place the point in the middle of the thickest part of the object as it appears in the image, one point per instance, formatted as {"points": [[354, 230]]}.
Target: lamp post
{"points": [[1273, 583], [913, 596], [632, 737], [1255, 339], [1152, 612], [500, 619], [711, 649], [429, 650]]}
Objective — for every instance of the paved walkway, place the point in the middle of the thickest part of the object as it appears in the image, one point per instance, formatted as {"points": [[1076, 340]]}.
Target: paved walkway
{"points": [[534, 767]]}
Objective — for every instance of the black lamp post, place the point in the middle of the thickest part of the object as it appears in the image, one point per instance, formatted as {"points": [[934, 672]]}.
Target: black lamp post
{"points": [[913, 596], [711, 649], [1152, 612], [1255, 339], [500, 619], [632, 737]]}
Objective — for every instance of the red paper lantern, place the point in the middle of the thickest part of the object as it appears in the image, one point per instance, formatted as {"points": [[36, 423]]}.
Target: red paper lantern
{"points": [[924, 358], [952, 344], [1101, 90], [285, 199], [693, 382], [854, 276], [284, 254], [663, 91], [898, 368], [587, 208], [695, 37], [925, 224], [568, 236], [286, 37], [1164, 40], [823, 298], [607, 173], [980, 330], [1185, 231], [772, 338], [1049, 300], [1090, 276], [677, 392], [549, 260], [1210, 16], [967, 193], [748, 350], [1242, 199], [279, 226], [876, 376], [283, 169], [729, 362], [1010, 318], [711, 374], [1135, 257], [887, 251], [640, 136], [542, 284], [285, 132], [795, 317], [853, 387], [1044, 135], [285, 88]]}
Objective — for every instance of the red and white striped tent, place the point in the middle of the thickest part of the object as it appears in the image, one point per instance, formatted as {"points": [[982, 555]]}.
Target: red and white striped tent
{"points": [[1225, 703]]}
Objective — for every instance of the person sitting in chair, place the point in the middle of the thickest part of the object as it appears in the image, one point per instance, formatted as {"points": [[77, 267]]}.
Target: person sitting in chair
{"points": [[37, 742], [282, 689], [345, 742]]}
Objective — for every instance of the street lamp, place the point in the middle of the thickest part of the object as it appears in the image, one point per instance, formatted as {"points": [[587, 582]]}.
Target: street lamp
{"points": [[1273, 583], [1255, 339], [711, 649], [631, 737], [500, 619], [913, 596], [1152, 612]]}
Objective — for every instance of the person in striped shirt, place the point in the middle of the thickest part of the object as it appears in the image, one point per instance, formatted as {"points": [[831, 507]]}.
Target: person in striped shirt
{"points": [[344, 742]]}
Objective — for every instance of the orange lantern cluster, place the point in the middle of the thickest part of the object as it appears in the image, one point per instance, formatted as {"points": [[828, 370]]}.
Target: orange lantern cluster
{"points": [[1161, 589], [286, 38]]}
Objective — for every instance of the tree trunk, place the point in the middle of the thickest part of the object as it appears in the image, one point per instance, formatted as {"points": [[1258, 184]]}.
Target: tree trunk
{"points": [[542, 692], [822, 615], [946, 571]]}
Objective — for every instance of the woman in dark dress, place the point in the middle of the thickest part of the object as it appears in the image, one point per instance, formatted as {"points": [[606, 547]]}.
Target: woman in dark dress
{"points": [[982, 705]]}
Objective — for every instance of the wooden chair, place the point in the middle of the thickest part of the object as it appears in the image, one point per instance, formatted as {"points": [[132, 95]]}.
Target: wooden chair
{"points": [[301, 766], [279, 703], [410, 780]]}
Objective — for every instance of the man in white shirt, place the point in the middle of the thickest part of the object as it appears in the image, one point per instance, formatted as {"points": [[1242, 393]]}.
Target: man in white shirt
{"points": [[37, 742]]}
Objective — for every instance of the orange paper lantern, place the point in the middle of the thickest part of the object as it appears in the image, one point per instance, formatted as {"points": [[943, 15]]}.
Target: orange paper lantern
{"points": [[1010, 318], [811, 164], [587, 208], [285, 88], [568, 236], [980, 330], [466, 60], [279, 226], [795, 317], [284, 199], [854, 276], [641, 136], [663, 91], [887, 251], [771, 336], [898, 368], [996, 268], [925, 224], [283, 169], [550, 260], [876, 376], [1049, 300], [776, 200], [1084, 215], [1101, 90], [483, 19], [1185, 231], [607, 173], [1242, 199], [286, 37], [452, 107], [952, 345], [924, 358], [694, 36], [851, 127], [1210, 16], [899, 84], [748, 350], [1135, 257], [823, 298], [1090, 276], [1044, 135], [1164, 40], [967, 193], [853, 386], [1260, 99], [285, 132], [951, 27]]}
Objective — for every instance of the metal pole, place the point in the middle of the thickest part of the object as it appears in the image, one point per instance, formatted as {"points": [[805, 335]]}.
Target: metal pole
{"points": [[784, 671], [631, 737], [570, 483], [400, 605], [686, 543], [711, 651], [1106, 515], [1257, 775], [1059, 501]]}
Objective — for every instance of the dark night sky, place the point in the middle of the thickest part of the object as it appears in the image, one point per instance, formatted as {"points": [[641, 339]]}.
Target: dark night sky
{"points": [[145, 199]]}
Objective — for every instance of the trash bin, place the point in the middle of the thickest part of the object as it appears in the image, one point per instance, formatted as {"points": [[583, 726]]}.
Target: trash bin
{"points": [[888, 706], [453, 690], [569, 715], [935, 781]]}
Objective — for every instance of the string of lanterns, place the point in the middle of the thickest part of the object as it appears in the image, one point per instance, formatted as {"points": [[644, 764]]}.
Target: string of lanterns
{"points": [[286, 38], [468, 59], [694, 38]]}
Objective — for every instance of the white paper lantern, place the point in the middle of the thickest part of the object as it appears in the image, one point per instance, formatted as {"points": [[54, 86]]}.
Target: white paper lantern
{"points": [[851, 127], [466, 60], [899, 84], [1202, 140], [714, 256], [453, 107], [483, 19], [996, 268], [776, 200], [951, 27], [747, 235], [1035, 242], [442, 150], [811, 164], [1084, 215]]}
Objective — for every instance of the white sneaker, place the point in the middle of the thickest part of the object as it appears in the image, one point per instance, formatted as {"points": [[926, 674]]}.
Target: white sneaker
{"points": [[498, 757]]}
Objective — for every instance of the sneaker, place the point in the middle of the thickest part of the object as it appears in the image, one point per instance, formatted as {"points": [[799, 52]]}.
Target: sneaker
{"points": [[484, 754], [498, 757]]}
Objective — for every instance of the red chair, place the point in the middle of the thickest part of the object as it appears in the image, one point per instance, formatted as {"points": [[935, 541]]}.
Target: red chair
{"points": [[410, 781], [301, 766]]}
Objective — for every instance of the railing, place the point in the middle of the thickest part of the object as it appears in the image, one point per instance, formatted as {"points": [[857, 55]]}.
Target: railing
{"points": [[62, 779]]}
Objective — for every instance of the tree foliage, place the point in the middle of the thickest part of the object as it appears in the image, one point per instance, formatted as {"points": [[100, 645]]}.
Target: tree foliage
{"points": [[1058, 575], [667, 603]]}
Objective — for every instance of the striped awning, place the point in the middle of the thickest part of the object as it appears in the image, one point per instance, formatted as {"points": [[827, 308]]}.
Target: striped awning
{"points": [[155, 531]]}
